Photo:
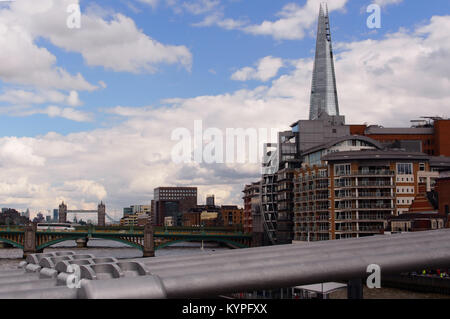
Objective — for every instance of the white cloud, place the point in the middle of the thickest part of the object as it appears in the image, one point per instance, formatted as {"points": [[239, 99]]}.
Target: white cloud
{"points": [[384, 3], [113, 42], [152, 3], [26, 97], [293, 23], [266, 69], [86, 187], [73, 99], [23, 62], [294, 20], [387, 81], [201, 6], [52, 111], [18, 152]]}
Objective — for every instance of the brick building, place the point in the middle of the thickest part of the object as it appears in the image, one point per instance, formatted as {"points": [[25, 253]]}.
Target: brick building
{"points": [[351, 194], [443, 190], [203, 215], [430, 137], [232, 215], [421, 216]]}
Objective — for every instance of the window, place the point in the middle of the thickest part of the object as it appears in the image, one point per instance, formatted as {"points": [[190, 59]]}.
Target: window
{"points": [[342, 169], [422, 167], [404, 168]]}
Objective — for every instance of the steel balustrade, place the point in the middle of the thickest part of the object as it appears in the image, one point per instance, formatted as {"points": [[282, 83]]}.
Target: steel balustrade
{"points": [[212, 274]]}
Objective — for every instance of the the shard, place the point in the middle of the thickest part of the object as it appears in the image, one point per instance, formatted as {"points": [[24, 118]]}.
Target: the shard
{"points": [[323, 89]]}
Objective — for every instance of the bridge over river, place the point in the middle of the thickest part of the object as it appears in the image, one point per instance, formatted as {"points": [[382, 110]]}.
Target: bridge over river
{"points": [[145, 238]]}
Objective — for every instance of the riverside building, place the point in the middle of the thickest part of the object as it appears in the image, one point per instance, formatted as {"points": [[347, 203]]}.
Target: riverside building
{"points": [[298, 184], [352, 193]]}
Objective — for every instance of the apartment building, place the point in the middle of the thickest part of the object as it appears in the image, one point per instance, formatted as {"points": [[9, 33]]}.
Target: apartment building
{"points": [[363, 187], [251, 201]]}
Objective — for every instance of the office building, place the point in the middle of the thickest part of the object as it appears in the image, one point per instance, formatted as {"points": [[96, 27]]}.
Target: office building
{"points": [[172, 201], [323, 89], [210, 200], [127, 211]]}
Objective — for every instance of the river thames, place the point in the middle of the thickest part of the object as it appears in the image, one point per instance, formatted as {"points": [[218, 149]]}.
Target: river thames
{"points": [[10, 257]]}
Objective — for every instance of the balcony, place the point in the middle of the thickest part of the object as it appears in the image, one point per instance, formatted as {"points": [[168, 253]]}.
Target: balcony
{"points": [[363, 184], [381, 172], [375, 206]]}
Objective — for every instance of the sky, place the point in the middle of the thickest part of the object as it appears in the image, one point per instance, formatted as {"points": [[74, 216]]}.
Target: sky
{"points": [[88, 113]]}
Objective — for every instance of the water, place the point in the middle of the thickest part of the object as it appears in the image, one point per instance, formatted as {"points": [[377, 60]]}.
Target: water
{"points": [[10, 257]]}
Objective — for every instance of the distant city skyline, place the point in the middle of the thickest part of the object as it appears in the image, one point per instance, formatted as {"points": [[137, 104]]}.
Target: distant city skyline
{"points": [[87, 115]]}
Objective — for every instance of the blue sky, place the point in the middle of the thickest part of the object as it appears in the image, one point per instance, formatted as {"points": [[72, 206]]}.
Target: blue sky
{"points": [[217, 53], [86, 114]]}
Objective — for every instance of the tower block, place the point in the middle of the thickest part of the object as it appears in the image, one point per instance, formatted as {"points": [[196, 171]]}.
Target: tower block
{"points": [[62, 215]]}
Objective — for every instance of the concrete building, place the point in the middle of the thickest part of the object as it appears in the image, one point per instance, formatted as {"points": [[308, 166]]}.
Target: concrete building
{"points": [[172, 201], [141, 209], [136, 215], [251, 197], [129, 220]]}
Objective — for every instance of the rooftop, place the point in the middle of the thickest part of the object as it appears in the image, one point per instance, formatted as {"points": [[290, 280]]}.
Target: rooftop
{"points": [[376, 155]]}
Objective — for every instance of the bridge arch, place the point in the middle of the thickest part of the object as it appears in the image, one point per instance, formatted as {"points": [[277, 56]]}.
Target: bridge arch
{"points": [[75, 237], [230, 243], [11, 242], [57, 241], [120, 240]]}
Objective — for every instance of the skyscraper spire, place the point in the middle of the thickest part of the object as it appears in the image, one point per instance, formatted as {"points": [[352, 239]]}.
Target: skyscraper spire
{"points": [[323, 89]]}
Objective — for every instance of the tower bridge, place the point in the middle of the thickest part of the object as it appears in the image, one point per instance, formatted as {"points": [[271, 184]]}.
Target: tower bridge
{"points": [[101, 213]]}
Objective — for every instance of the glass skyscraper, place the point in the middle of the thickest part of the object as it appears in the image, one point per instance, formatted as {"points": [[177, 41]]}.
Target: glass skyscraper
{"points": [[323, 89]]}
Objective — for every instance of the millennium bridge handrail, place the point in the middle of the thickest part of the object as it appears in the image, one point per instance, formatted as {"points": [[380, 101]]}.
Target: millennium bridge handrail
{"points": [[278, 267], [213, 274]]}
